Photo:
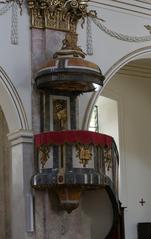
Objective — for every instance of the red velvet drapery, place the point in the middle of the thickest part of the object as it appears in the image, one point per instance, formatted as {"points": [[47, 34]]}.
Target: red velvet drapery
{"points": [[72, 136]]}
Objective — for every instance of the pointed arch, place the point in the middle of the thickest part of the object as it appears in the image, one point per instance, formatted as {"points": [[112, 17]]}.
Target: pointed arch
{"points": [[141, 53], [11, 104]]}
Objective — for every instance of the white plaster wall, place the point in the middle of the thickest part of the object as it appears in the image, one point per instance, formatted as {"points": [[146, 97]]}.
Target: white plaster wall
{"points": [[97, 210], [108, 117], [134, 98], [15, 59], [109, 52]]}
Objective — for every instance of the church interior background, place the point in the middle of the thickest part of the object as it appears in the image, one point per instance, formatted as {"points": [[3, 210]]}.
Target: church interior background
{"points": [[75, 119]]}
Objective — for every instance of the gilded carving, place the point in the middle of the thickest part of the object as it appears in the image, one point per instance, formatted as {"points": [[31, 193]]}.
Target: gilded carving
{"points": [[84, 153], [60, 114], [38, 20], [57, 14], [43, 154]]}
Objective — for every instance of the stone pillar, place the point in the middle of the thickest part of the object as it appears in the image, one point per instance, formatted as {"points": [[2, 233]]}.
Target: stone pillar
{"points": [[21, 171], [54, 223], [44, 43]]}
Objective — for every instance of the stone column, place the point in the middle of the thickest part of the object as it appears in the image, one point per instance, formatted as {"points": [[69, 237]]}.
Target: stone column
{"points": [[44, 43], [21, 195]]}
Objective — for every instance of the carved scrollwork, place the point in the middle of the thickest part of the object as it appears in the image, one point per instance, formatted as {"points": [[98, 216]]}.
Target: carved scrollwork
{"points": [[57, 14]]}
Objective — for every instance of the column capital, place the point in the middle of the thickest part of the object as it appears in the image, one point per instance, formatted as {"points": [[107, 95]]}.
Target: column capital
{"points": [[20, 136]]}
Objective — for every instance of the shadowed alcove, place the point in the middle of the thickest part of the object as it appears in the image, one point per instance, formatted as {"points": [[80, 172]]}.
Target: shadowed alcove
{"points": [[4, 179]]}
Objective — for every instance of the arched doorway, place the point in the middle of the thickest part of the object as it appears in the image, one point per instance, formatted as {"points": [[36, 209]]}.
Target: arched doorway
{"points": [[131, 87], [142, 53]]}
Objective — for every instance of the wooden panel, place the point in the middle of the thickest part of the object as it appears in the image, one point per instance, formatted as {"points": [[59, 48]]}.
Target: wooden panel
{"points": [[144, 230]]}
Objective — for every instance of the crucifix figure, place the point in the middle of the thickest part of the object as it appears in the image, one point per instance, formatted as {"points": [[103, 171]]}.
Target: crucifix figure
{"points": [[142, 202]]}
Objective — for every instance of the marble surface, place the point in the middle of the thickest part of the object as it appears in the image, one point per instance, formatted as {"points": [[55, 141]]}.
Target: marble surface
{"points": [[54, 223], [91, 220], [44, 43]]}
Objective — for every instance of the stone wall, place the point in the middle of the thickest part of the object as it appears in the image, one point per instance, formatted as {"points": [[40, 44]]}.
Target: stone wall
{"points": [[4, 180]]}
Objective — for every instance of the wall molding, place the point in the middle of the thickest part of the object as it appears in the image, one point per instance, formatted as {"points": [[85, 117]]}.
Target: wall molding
{"points": [[144, 1], [20, 137], [11, 103], [131, 6], [135, 55], [136, 70]]}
